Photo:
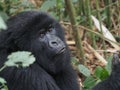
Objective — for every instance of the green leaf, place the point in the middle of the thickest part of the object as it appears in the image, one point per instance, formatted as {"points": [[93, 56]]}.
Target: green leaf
{"points": [[84, 70], [2, 24], [98, 71], [3, 89], [4, 16], [89, 82], [104, 74], [108, 66], [101, 73], [47, 5], [2, 80], [74, 60], [20, 59]]}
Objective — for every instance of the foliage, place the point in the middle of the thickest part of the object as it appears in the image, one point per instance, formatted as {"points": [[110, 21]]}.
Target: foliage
{"points": [[3, 84], [107, 11], [100, 73], [20, 59], [14, 6], [84, 70], [2, 24], [17, 59]]}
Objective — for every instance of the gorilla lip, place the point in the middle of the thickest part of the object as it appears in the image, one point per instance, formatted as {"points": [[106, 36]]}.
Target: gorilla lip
{"points": [[61, 51]]}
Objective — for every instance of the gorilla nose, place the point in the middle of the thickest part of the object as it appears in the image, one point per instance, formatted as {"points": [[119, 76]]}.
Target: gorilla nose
{"points": [[58, 45]]}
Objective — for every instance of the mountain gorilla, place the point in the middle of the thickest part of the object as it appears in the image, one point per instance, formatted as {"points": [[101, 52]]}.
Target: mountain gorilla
{"points": [[113, 81], [42, 35]]}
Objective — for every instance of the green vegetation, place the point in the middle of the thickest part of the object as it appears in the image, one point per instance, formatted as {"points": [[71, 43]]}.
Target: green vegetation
{"points": [[18, 59], [85, 61]]}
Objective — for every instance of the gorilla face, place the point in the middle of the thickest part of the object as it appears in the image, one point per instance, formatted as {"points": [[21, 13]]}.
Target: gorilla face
{"points": [[40, 34], [50, 42], [52, 47], [44, 37]]}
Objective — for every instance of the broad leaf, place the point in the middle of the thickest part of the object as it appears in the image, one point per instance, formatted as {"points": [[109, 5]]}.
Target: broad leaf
{"points": [[84, 70]]}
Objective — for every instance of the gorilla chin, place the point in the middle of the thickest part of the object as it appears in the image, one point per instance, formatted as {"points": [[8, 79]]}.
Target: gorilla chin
{"points": [[58, 60]]}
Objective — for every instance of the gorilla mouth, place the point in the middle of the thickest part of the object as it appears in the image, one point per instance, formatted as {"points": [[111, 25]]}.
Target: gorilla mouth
{"points": [[61, 51]]}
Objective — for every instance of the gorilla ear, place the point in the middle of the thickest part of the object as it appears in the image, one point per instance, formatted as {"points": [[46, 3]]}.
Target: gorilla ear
{"points": [[116, 58]]}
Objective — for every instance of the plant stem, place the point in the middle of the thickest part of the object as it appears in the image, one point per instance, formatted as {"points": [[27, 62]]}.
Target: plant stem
{"points": [[76, 33], [3, 68], [99, 18]]}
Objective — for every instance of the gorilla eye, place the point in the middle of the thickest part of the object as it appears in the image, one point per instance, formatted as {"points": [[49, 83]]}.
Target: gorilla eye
{"points": [[42, 35], [42, 32], [50, 28]]}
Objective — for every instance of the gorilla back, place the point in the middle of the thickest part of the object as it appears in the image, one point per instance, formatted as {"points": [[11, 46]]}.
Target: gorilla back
{"points": [[42, 35]]}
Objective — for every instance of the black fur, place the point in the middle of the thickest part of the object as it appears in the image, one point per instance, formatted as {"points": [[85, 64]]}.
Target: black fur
{"points": [[49, 72], [113, 81]]}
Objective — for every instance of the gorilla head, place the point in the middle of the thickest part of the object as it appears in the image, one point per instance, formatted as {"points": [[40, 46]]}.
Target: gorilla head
{"points": [[42, 35]]}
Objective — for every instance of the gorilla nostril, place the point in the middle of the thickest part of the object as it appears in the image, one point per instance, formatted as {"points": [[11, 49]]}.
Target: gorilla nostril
{"points": [[54, 43]]}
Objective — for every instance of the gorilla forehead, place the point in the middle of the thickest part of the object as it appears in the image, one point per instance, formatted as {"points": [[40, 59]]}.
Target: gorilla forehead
{"points": [[30, 19]]}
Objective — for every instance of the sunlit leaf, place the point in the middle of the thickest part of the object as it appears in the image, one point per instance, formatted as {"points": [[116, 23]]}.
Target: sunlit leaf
{"points": [[2, 80], [89, 82], [84, 70], [2, 24], [101, 73], [47, 5], [20, 59]]}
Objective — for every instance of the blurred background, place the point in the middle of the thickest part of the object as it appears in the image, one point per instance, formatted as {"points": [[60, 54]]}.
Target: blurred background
{"points": [[92, 31]]}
